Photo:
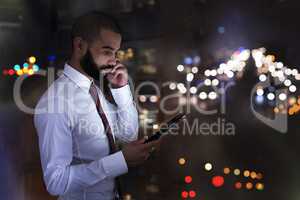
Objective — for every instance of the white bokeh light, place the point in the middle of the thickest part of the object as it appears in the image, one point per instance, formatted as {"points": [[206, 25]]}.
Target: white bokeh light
{"points": [[189, 77], [230, 74], [153, 98], [172, 86], [288, 71], [271, 96], [207, 82], [282, 96], [142, 98], [279, 65], [292, 88], [220, 71], [203, 95], [212, 95], [213, 72], [208, 166], [287, 82], [193, 90], [195, 70], [180, 85], [215, 82], [262, 77], [207, 72], [182, 90], [260, 92], [180, 68]]}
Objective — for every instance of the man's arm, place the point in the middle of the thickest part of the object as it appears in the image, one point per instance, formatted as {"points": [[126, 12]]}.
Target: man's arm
{"points": [[55, 143], [126, 113]]}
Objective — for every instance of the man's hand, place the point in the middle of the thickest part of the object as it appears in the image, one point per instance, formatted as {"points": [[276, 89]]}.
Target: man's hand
{"points": [[118, 76], [137, 152]]}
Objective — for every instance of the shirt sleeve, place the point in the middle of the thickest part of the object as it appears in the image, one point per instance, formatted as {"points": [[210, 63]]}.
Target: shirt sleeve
{"points": [[55, 143], [127, 115]]}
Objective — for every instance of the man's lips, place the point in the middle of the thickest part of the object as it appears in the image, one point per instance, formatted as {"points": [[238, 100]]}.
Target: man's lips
{"points": [[107, 67]]}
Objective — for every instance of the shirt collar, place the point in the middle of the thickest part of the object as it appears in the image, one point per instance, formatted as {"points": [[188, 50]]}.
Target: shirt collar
{"points": [[77, 77]]}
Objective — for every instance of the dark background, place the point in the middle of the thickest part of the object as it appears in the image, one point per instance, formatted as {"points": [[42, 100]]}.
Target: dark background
{"points": [[161, 33]]}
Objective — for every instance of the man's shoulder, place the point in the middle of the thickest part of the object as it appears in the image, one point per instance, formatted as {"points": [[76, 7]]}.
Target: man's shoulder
{"points": [[56, 93]]}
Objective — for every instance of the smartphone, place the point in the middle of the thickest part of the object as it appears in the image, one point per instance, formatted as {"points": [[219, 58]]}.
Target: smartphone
{"points": [[173, 121]]}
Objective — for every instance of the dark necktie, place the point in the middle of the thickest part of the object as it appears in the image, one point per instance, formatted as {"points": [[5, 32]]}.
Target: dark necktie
{"points": [[94, 94], [112, 145]]}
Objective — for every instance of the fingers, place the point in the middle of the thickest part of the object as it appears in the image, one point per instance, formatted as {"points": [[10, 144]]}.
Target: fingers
{"points": [[110, 69], [118, 66], [155, 142], [148, 146], [145, 148], [138, 152], [143, 155], [119, 71], [118, 76], [141, 141]]}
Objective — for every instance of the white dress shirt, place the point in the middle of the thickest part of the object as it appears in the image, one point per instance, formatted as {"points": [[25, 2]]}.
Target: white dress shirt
{"points": [[73, 145]]}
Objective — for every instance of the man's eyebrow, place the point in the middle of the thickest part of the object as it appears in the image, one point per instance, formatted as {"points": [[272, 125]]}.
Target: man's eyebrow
{"points": [[109, 47]]}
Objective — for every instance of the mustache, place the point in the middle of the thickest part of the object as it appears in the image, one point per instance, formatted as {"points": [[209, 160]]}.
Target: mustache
{"points": [[105, 67]]}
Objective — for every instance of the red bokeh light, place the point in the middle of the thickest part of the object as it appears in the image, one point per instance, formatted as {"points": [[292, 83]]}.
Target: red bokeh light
{"points": [[184, 194], [188, 179], [218, 181], [192, 194], [5, 72], [238, 185], [11, 72]]}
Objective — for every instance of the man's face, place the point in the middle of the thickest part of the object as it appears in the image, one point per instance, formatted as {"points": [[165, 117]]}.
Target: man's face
{"points": [[101, 53]]}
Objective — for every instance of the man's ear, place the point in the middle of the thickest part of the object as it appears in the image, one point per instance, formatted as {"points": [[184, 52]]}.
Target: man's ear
{"points": [[80, 45]]}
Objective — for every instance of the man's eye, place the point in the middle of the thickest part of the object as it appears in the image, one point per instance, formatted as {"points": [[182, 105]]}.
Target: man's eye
{"points": [[108, 53]]}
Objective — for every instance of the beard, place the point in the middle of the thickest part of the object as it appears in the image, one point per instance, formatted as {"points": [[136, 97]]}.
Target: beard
{"points": [[89, 66]]}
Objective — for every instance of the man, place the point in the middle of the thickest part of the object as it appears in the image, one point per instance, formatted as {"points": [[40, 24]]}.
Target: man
{"points": [[77, 125]]}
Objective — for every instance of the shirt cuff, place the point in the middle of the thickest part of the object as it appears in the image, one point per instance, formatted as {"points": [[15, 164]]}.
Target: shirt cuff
{"points": [[122, 96], [115, 165]]}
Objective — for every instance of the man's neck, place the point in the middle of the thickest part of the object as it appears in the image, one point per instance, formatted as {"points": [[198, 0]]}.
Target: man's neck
{"points": [[76, 65]]}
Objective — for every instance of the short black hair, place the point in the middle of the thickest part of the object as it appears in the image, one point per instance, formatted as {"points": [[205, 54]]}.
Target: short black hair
{"points": [[88, 26]]}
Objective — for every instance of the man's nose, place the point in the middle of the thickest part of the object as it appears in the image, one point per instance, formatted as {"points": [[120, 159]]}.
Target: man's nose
{"points": [[113, 61]]}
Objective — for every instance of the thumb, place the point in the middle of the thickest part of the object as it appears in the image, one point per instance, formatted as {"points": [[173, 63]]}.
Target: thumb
{"points": [[141, 141]]}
